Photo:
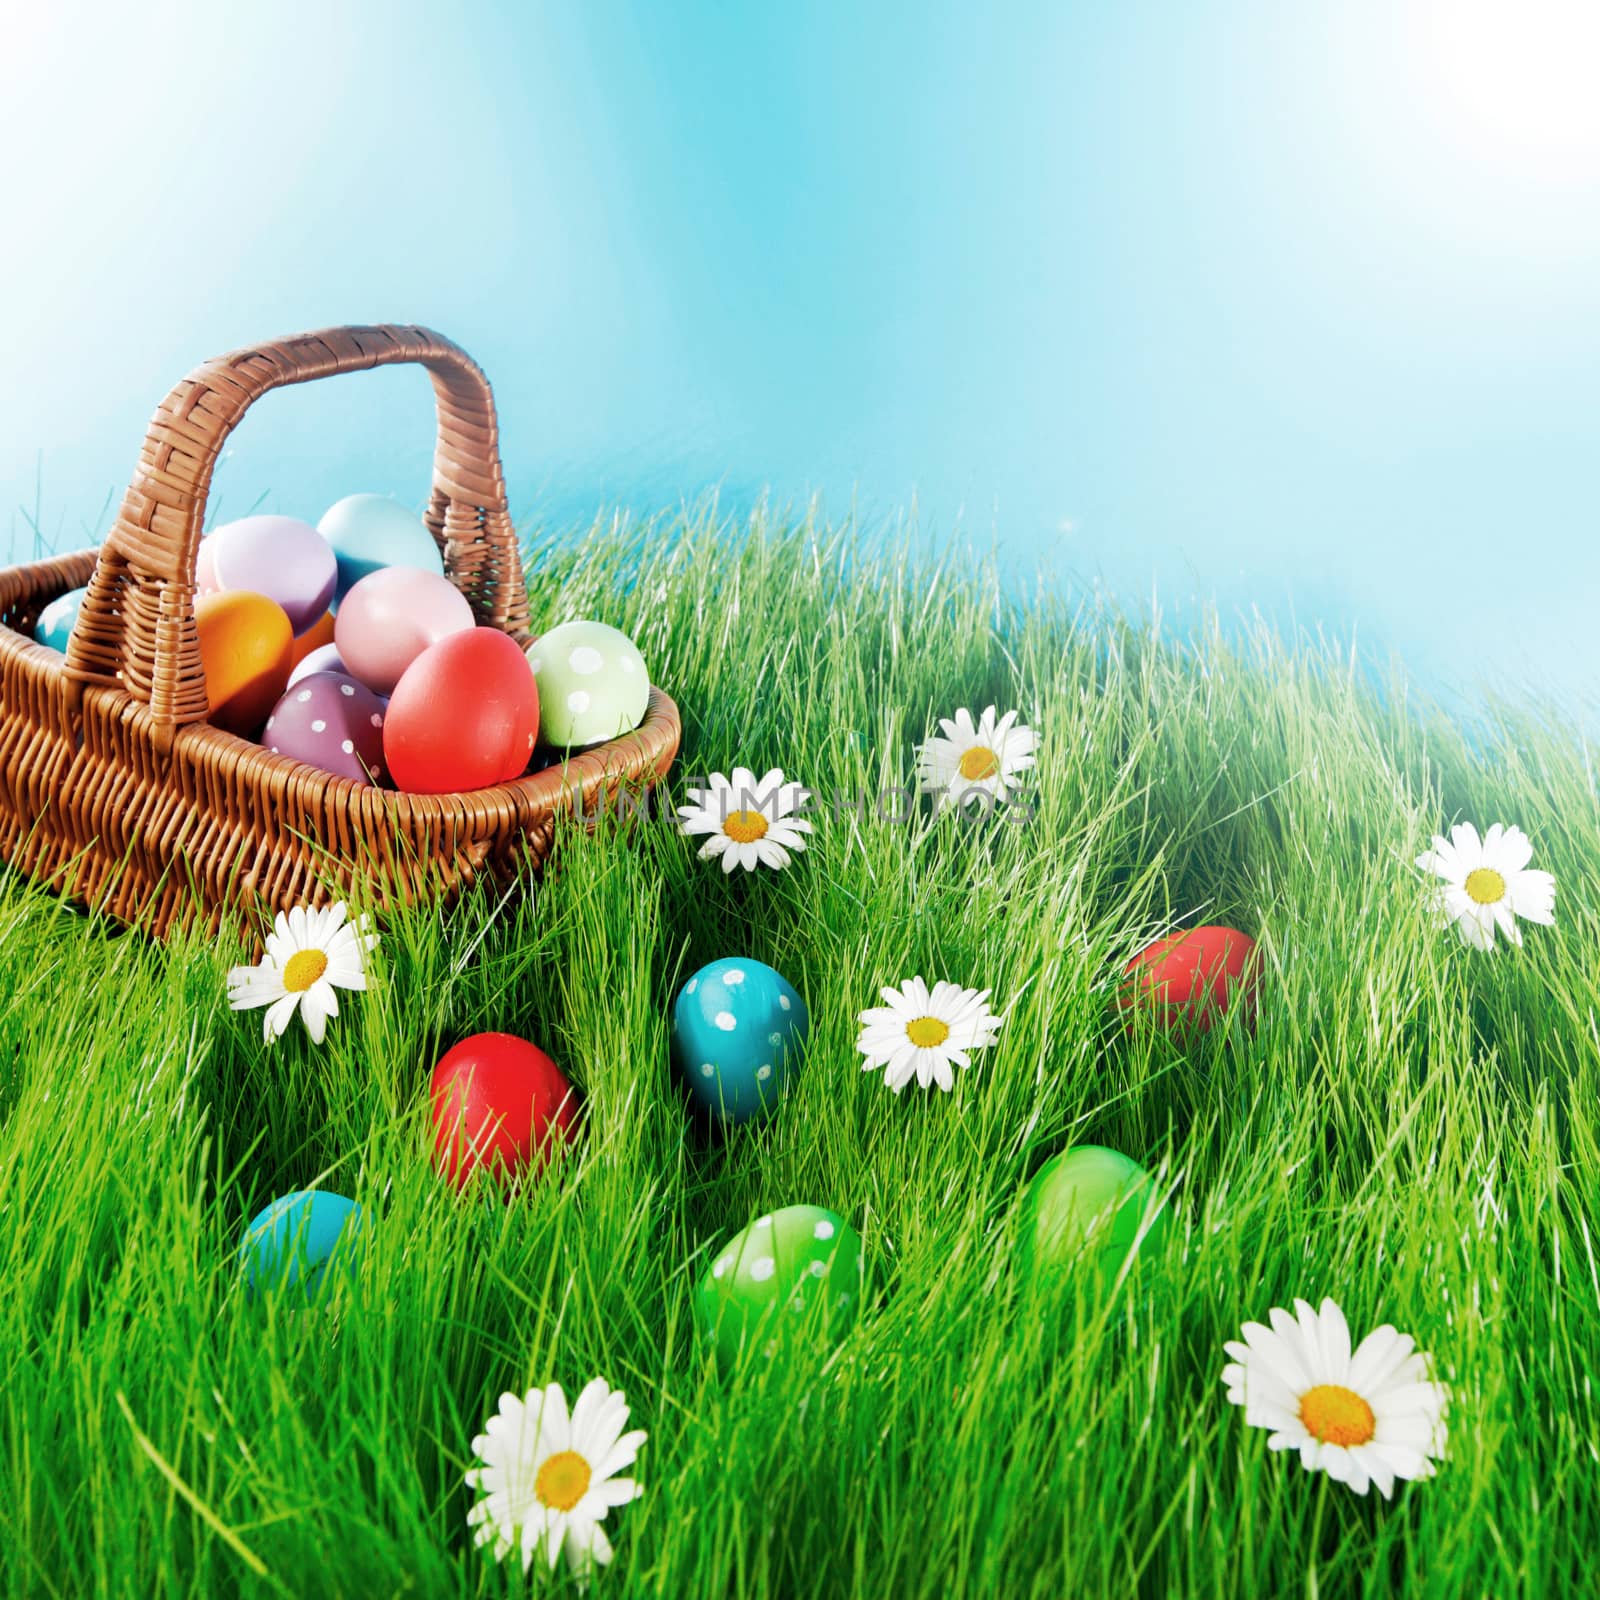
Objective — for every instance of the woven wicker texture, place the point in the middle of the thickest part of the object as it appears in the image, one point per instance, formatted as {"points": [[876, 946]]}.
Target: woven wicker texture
{"points": [[116, 791]]}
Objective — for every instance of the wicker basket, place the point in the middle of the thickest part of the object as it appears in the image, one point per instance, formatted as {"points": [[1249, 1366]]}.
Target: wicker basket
{"points": [[115, 791]]}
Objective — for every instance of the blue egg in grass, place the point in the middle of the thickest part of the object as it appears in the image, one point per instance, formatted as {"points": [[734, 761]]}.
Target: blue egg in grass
{"points": [[291, 1242], [369, 531], [54, 626], [738, 1033]]}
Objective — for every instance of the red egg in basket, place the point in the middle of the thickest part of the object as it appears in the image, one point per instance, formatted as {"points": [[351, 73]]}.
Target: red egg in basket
{"points": [[464, 716]]}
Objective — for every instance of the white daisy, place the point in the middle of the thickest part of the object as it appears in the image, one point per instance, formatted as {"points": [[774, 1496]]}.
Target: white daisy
{"points": [[1367, 1416], [748, 821], [549, 1478], [976, 763], [1487, 883], [309, 955], [919, 1034]]}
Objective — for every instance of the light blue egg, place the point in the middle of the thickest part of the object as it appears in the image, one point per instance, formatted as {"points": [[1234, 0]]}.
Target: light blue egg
{"points": [[368, 531], [290, 1243], [738, 1033], [54, 626]]}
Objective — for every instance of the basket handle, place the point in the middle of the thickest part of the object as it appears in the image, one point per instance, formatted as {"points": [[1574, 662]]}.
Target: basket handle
{"points": [[136, 626]]}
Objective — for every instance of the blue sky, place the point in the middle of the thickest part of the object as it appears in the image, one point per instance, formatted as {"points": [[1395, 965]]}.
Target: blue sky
{"points": [[1286, 305]]}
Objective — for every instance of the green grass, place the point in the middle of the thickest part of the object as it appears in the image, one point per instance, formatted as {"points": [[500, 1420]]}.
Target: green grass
{"points": [[1411, 1129]]}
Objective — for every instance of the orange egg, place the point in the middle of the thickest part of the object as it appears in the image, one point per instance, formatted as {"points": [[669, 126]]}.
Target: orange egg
{"points": [[318, 634], [246, 645]]}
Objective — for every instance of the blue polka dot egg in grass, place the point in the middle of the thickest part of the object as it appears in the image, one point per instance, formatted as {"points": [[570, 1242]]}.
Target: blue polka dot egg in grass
{"points": [[291, 1243], [796, 1269], [738, 1033]]}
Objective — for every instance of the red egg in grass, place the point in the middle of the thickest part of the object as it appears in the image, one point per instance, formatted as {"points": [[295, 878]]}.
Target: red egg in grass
{"points": [[498, 1102], [1189, 979], [463, 716]]}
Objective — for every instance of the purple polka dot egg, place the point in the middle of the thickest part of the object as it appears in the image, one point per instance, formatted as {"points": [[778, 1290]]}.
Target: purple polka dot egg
{"points": [[330, 721]]}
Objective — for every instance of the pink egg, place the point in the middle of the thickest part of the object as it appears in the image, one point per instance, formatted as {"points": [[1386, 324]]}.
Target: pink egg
{"points": [[325, 658], [390, 617], [281, 557], [331, 722], [205, 572]]}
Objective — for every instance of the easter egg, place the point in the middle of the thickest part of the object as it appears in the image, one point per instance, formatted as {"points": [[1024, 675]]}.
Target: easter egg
{"points": [[54, 626], [738, 1033], [369, 531], [319, 636], [1189, 979], [324, 658], [464, 716], [798, 1268], [245, 644], [291, 1243], [592, 683], [390, 617], [281, 557], [1087, 1205], [205, 571], [330, 721], [497, 1102]]}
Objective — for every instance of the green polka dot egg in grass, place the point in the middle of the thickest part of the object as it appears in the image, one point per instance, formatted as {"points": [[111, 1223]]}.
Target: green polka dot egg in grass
{"points": [[738, 1032], [592, 684], [796, 1269], [1085, 1207]]}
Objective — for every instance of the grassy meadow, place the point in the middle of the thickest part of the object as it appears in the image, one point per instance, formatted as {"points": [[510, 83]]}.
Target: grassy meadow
{"points": [[1412, 1129]]}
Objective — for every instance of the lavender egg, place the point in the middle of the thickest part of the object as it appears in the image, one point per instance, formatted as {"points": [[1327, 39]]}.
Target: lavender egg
{"points": [[281, 557], [325, 658], [332, 722]]}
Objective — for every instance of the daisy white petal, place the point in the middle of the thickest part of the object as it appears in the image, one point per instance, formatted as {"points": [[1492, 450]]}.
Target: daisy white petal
{"points": [[546, 1478], [1342, 1410], [975, 763], [249, 987], [316, 1007], [924, 1035], [1533, 897], [309, 953], [747, 822], [279, 1016], [1486, 884]]}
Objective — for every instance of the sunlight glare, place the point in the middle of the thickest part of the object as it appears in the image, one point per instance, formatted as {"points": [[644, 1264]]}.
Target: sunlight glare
{"points": [[1523, 78]]}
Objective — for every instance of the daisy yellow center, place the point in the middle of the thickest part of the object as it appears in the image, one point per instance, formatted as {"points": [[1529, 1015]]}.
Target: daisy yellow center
{"points": [[745, 827], [1337, 1415], [563, 1480], [302, 969], [1485, 885], [979, 762], [926, 1032]]}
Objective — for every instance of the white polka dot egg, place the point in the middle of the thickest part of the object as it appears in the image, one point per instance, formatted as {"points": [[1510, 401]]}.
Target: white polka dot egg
{"points": [[738, 1033], [592, 684], [793, 1270]]}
